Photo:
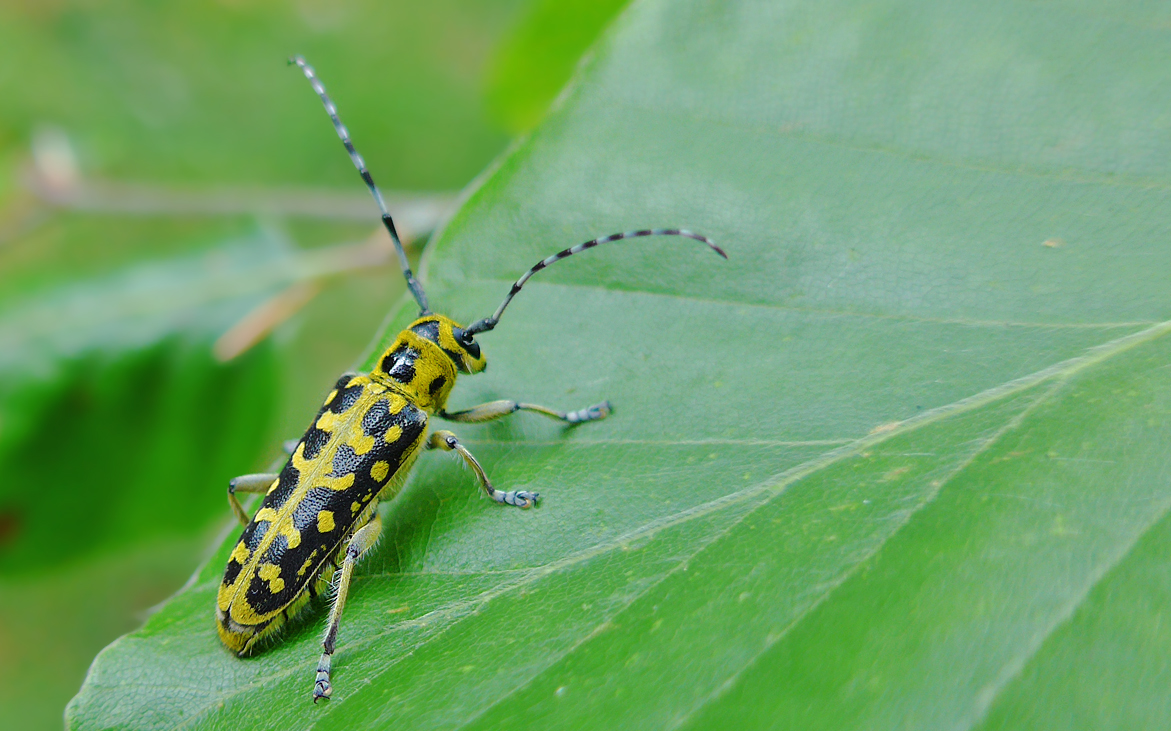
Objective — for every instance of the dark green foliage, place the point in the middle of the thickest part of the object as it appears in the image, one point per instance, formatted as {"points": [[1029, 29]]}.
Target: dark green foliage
{"points": [[900, 462]]}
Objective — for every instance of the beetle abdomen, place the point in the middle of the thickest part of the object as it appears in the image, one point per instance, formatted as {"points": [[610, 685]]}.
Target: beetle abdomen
{"points": [[363, 436]]}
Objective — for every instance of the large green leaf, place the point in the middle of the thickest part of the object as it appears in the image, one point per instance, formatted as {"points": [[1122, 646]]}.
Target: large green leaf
{"points": [[110, 401], [533, 63], [900, 462]]}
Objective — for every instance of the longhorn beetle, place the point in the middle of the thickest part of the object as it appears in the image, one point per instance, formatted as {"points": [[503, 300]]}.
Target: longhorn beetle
{"points": [[320, 513]]}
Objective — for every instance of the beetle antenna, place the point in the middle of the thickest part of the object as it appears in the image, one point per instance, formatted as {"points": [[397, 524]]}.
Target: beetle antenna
{"points": [[489, 323], [412, 283]]}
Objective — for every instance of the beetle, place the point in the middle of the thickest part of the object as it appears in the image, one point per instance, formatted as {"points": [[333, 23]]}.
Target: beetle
{"points": [[319, 515]]}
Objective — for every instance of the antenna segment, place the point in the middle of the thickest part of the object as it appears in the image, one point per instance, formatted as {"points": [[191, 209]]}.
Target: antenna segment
{"points": [[489, 323], [412, 283]]}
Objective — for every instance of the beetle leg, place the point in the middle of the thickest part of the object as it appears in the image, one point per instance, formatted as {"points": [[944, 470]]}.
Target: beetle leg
{"points": [[363, 540], [448, 442], [258, 483], [497, 409]]}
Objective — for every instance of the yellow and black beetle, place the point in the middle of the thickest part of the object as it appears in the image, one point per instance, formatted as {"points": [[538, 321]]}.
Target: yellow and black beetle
{"points": [[320, 513]]}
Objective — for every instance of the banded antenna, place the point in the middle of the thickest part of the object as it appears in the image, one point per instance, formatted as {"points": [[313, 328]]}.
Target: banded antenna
{"points": [[489, 323], [412, 283]]}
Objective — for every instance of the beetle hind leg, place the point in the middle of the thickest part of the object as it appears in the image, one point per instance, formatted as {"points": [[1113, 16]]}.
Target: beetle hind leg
{"points": [[362, 541]]}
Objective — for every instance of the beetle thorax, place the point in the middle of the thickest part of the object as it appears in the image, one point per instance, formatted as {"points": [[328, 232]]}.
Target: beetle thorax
{"points": [[417, 368], [424, 360]]}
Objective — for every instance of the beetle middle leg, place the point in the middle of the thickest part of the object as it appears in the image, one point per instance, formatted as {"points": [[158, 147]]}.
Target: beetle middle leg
{"points": [[448, 442], [257, 483], [498, 409], [362, 541]]}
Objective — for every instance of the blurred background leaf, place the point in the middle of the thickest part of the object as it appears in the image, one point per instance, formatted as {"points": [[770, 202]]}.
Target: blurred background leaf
{"points": [[165, 180], [538, 57], [900, 462]]}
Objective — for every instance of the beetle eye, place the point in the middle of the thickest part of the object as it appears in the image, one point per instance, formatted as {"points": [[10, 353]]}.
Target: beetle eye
{"points": [[465, 337]]}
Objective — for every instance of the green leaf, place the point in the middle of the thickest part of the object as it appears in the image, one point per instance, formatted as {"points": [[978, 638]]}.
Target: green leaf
{"points": [[109, 396], [54, 620], [899, 462], [198, 93], [538, 57]]}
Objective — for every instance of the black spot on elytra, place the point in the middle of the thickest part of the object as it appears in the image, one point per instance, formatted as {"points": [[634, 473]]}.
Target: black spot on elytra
{"points": [[260, 598], [253, 534], [377, 419], [289, 479], [232, 571], [345, 399], [314, 441], [258, 595], [345, 460], [437, 385], [276, 550], [305, 516]]}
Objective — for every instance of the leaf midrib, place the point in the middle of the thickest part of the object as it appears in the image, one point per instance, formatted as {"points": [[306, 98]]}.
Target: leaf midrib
{"points": [[1009, 426], [986, 700], [768, 489]]}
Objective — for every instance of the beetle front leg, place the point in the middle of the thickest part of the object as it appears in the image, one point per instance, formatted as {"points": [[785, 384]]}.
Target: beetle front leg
{"points": [[257, 483], [448, 442], [498, 409], [363, 540]]}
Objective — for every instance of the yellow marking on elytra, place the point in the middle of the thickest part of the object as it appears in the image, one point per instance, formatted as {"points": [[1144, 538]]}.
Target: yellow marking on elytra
{"points": [[395, 403], [305, 566], [224, 596], [393, 434], [345, 482], [355, 507], [325, 521], [360, 443], [291, 534], [301, 464], [266, 515], [240, 553], [272, 574], [379, 471], [332, 395], [327, 421], [273, 486]]}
